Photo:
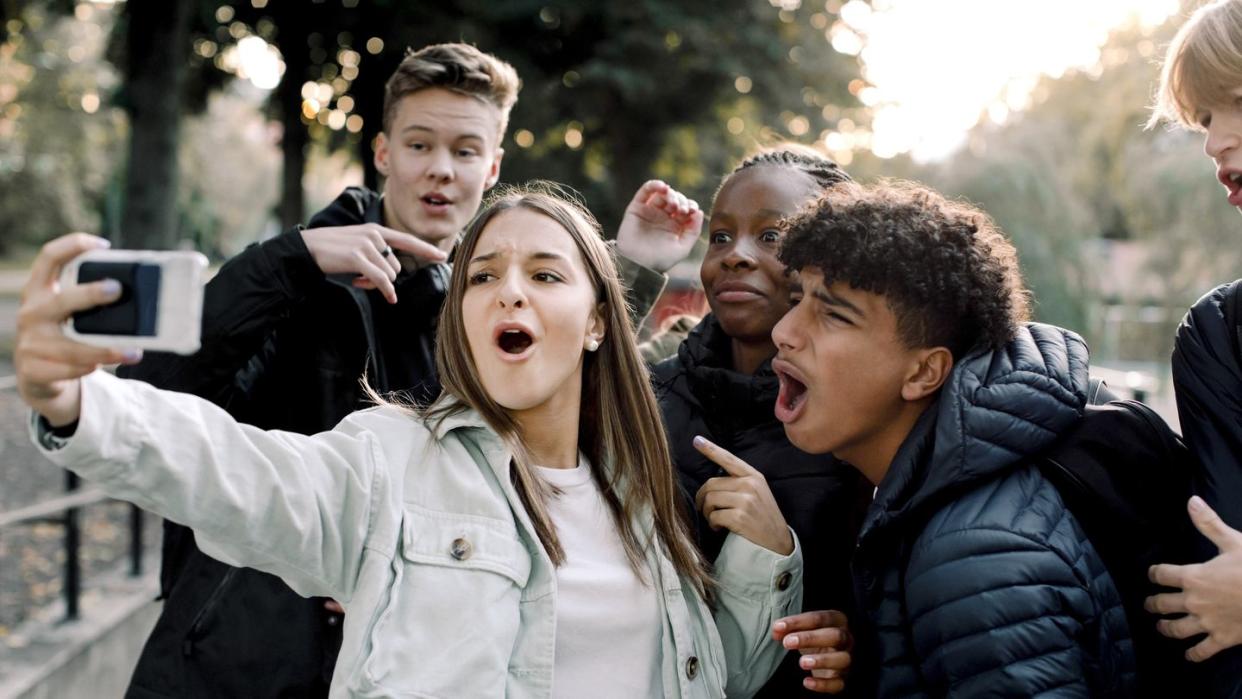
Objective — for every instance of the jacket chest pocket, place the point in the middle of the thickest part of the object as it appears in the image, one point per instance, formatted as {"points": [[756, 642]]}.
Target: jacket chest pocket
{"points": [[453, 613], [465, 543]]}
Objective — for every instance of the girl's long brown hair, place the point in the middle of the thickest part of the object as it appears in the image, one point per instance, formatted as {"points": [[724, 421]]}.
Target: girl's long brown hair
{"points": [[620, 424]]}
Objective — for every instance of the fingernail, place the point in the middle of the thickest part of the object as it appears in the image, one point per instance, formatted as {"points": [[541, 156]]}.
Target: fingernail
{"points": [[1197, 504], [110, 287], [791, 641], [699, 441], [131, 356], [808, 683], [780, 626], [103, 243], [807, 662]]}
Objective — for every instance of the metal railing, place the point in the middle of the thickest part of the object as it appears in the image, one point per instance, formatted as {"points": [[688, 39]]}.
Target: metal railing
{"points": [[64, 511]]}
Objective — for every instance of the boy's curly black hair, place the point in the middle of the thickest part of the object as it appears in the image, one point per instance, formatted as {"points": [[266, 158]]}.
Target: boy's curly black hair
{"points": [[948, 273]]}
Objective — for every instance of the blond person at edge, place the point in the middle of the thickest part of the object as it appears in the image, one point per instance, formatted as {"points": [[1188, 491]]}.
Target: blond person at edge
{"points": [[1201, 89], [437, 531]]}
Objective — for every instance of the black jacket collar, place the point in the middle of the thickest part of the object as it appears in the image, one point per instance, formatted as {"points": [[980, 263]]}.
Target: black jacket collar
{"points": [[706, 356]]}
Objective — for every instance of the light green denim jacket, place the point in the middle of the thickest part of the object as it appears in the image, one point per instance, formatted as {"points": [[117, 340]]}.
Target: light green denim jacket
{"points": [[418, 533]]}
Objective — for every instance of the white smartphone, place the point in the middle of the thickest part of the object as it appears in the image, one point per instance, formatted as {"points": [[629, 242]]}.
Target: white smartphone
{"points": [[161, 303]]}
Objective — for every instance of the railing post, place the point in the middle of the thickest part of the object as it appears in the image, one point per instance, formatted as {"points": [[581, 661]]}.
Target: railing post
{"points": [[135, 541], [73, 571]]}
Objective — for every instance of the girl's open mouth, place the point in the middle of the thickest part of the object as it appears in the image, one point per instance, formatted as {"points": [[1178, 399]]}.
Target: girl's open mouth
{"points": [[514, 341]]}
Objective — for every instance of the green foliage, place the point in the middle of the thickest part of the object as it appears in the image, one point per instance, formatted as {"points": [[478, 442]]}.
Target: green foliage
{"points": [[614, 93], [1103, 212], [59, 142]]}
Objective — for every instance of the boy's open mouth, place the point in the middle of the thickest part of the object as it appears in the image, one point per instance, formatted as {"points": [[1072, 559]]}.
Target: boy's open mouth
{"points": [[514, 341], [792, 397]]}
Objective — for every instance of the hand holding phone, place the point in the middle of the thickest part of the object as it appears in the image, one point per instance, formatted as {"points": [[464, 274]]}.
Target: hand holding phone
{"points": [[48, 364], [160, 306]]}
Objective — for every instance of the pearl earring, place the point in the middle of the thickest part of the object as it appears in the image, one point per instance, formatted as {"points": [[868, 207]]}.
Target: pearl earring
{"points": [[592, 345]]}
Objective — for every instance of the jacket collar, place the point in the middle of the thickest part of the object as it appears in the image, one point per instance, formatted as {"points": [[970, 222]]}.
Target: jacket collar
{"points": [[462, 417], [374, 213], [707, 357], [997, 409]]}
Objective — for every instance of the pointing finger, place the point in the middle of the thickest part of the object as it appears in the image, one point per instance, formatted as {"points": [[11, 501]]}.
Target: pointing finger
{"points": [[724, 459], [411, 244]]}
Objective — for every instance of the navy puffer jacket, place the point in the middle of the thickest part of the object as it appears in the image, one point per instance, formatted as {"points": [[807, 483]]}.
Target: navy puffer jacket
{"points": [[976, 579]]}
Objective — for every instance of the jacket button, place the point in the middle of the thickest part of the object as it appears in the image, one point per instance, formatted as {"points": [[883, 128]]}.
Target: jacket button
{"points": [[692, 667], [461, 549], [783, 580]]}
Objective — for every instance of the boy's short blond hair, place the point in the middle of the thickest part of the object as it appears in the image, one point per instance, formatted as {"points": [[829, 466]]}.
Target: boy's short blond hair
{"points": [[1202, 66], [461, 68]]}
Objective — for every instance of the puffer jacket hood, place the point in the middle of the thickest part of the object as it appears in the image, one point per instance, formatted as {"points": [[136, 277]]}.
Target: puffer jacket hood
{"points": [[997, 408]]}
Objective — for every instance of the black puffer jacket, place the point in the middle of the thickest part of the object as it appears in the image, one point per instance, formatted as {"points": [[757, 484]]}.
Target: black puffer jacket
{"points": [[821, 498], [1207, 376], [976, 579], [283, 348]]}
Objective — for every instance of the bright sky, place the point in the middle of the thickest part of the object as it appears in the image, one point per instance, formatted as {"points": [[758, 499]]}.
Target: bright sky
{"points": [[936, 66]]}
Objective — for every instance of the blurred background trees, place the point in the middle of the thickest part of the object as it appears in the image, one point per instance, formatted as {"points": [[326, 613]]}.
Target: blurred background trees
{"points": [[614, 93], [214, 124]]}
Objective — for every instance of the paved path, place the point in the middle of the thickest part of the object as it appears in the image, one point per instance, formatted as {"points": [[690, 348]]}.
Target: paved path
{"points": [[12, 281], [8, 322]]}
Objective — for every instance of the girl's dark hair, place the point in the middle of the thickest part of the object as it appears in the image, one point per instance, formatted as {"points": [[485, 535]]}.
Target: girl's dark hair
{"points": [[821, 168]]}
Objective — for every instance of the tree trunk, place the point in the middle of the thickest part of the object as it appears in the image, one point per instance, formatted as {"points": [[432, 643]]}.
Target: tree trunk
{"points": [[293, 151], [157, 41], [295, 137]]}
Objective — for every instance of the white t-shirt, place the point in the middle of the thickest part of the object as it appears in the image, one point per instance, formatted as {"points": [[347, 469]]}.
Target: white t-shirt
{"points": [[608, 621]]}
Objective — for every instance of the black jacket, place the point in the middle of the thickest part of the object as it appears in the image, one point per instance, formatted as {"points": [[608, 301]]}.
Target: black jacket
{"points": [[821, 498], [1207, 376], [283, 348], [976, 579]]}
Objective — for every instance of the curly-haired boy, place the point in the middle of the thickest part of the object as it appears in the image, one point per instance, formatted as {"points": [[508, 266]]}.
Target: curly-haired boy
{"points": [[907, 354]]}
